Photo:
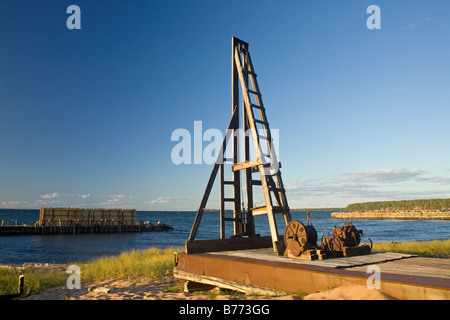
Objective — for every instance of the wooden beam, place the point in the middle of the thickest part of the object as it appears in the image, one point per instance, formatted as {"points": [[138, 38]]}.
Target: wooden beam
{"points": [[195, 282], [235, 147], [244, 165], [214, 245], [263, 210]]}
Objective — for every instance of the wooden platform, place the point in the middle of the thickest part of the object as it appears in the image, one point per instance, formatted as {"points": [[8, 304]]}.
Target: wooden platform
{"points": [[260, 271], [81, 220], [68, 229], [343, 262]]}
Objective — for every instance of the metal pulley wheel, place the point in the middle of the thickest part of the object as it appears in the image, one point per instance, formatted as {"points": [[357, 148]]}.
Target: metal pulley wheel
{"points": [[298, 237], [295, 231]]}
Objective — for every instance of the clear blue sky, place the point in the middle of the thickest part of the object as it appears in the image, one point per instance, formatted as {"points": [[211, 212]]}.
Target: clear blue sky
{"points": [[86, 116]]}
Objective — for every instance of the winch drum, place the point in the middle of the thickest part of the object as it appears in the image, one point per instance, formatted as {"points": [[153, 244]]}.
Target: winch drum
{"points": [[298, 237]]}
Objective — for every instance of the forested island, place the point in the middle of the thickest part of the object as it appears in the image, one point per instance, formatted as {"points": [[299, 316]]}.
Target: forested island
{"points": [[403, 209], [419, 204]]}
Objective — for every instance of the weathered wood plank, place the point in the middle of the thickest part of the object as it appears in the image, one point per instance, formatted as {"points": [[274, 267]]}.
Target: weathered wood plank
{"points": [[216, 245], [341, 262], [210, 281]]}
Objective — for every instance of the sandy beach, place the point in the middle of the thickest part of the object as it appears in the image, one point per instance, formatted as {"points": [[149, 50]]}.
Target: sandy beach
{"points": [[160, 290]]}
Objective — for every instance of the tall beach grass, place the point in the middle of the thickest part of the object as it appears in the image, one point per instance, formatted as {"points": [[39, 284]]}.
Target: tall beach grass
{"points": [[134, 265], [35, 281], [152, 263], [433, 248]]}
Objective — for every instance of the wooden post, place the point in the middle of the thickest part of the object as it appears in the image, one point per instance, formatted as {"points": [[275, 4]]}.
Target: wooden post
{"points": [[222, 202], [248, 171], [235, 146]]}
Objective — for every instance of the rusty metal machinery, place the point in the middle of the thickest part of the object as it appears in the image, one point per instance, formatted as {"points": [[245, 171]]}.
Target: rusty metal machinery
{"points": [[301, 241], [299, 238], [345, 241]]}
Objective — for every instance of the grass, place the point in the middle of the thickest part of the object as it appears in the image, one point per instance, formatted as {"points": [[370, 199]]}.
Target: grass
{"points": [[156, 263], [152, 263], [434, 248], [35, 281], [132, 265]]}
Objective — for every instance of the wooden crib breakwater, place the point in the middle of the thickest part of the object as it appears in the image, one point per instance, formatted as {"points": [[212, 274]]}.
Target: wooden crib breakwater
{"points": [[392, 214], [79, 221]]}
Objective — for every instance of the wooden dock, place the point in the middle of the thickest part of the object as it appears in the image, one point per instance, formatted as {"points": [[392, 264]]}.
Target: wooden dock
{"points": [[81, 221], [260, 271]]}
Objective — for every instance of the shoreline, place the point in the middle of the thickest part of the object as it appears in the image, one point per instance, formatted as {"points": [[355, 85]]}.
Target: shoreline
{"points": [[46, 265], [131, 280], [392, 214]]}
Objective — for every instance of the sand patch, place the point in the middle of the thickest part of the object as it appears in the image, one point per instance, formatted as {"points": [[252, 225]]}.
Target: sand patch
{"points": [[162, 290], [356, 292]]}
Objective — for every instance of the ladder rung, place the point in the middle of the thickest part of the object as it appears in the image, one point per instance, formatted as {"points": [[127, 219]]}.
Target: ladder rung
{"points": [[254, 92], [256, 183], [257, 107], [228, 159], [262, 122], [268, 165], [228, 199], [248, 71], [265, 138], [228, 182], [277, 189], [229, 219]]}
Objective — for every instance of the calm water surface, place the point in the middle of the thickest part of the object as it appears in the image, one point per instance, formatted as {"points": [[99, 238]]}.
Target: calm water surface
{"points": [[16, 250]]}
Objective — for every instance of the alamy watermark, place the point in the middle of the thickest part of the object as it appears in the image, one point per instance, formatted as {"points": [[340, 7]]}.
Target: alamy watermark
{"points": [[74, 20], [74, 280], [206, 147], [374, 280], [374, 20]]}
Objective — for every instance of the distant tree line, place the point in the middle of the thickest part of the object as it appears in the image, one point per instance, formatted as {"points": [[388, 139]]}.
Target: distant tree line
{"points": [[423, 204]]}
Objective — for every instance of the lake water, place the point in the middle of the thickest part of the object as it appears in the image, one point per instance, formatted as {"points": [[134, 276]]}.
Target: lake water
{"points": [[16, 250]]}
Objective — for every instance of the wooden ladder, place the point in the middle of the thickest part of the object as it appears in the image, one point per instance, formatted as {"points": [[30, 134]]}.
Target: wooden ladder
{"points": [[266, 162]]}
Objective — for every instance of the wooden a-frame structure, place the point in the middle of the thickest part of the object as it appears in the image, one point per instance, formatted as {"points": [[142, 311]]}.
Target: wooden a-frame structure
{"points": [[265, 165]]}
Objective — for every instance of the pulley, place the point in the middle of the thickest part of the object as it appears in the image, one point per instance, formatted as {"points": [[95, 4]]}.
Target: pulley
{"points": [[298, 237]]}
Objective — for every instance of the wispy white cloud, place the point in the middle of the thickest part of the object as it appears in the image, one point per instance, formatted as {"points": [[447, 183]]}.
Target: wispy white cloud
{"points": [[433, 179], [84, 196], [409, 26], [383, 175], [372, 184], [160, 200], [49, 195], [40, 203], [120, 196], [27, 204], [414, 25], [14, 204], [111, 203]]}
